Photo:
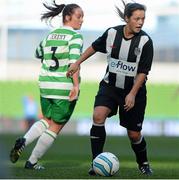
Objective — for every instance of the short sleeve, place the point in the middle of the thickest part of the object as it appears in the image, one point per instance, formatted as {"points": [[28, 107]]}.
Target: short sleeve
{"points": [[146, 59], [39, 53], [99, 44], [75, 47]]}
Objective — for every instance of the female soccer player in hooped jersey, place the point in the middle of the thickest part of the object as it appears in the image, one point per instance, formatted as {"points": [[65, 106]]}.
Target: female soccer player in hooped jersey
{"points": [[58, 93]]}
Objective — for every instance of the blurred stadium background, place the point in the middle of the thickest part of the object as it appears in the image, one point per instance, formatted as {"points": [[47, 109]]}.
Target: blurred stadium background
{"points": [[21, 31]]}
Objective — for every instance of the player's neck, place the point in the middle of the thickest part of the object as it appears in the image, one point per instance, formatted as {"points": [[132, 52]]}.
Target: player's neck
{"points": [[127, 33]]}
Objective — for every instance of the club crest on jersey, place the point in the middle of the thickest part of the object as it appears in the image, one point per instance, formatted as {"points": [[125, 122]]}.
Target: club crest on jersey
{"points": [[137, 51]]}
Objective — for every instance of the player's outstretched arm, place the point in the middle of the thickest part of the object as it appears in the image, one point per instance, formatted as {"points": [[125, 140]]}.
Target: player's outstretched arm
{"points": [[75, 90], [75, 66]]}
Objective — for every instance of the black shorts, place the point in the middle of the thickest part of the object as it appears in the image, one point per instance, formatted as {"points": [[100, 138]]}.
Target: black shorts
{"points": [[114, 98]]}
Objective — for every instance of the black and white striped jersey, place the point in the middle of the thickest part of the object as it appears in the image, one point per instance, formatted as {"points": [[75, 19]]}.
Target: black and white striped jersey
{"points": [[125, 57]]}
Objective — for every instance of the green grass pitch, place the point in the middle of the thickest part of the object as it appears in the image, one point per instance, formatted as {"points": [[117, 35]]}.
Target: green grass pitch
{"points": [[70, 158]]}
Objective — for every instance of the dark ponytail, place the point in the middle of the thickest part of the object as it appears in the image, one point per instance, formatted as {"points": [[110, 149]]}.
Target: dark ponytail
{"points": [[56, 9], [129, 8]]}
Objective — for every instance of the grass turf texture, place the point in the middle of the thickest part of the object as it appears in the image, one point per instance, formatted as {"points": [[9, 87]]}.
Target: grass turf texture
{"points": [[70, 158], [162, 101]]}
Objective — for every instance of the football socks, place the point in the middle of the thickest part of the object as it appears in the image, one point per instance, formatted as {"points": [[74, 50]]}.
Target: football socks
{"points": [[140, 151], [43, 144], [35, 131], [98, 137]]}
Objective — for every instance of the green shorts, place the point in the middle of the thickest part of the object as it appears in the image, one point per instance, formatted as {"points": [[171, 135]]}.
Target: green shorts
{"points": [[58, 110]]}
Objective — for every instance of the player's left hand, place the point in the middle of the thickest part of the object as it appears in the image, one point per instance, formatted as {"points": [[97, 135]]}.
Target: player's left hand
{"points": [[74, 93], [72, 69], [129, 102]]}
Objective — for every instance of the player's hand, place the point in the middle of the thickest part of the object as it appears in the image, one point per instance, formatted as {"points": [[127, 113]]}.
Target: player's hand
{"points": [[74, 93], [72, 69], [129, 102]]}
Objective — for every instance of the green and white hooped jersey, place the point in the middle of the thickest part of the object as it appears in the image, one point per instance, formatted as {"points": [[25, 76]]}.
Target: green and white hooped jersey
{"points": [[60, 48]]}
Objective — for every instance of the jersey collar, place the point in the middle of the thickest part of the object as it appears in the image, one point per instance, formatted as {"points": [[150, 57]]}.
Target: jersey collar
{"points": [[67, 27]]}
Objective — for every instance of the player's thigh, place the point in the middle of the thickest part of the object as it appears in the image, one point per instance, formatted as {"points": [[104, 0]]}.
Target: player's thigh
{"points": [[62, 110], [108, 102], [46, 107]]}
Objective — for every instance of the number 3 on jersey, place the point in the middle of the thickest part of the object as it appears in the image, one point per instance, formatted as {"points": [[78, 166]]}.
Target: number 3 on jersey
{"points": [[56, 66]]}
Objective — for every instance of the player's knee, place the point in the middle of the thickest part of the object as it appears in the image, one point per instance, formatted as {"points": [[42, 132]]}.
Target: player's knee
{"points": [[98, 118], [134, 136], [47, 120], [55, 127]]}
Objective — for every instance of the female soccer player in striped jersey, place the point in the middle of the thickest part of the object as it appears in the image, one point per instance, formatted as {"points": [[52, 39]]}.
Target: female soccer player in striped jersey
{"points": [[129, 55], [58, 93]]}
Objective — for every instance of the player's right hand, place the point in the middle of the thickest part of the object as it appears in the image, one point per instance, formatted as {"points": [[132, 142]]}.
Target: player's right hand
{"points": [[72, 69], [129, 102], [74, 93]]}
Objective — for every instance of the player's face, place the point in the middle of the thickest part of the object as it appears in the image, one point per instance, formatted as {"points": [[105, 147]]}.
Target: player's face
{"points": [[136, 21], [76, 19]]}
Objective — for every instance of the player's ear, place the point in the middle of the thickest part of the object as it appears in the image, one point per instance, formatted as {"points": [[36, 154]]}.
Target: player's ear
{"points": [[126, 19], [67, 18]]}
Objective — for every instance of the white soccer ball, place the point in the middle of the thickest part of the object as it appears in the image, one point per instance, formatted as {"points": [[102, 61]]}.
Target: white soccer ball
{"points": [[106, 164]]}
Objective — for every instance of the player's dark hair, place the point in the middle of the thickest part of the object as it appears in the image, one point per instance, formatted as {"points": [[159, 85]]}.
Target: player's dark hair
{"points": [[129, 8], [55, 9]]}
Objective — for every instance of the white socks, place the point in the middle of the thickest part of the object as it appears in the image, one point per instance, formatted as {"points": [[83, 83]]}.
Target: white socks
{"points": [[35, 131], [46, 139], [43, 144]]}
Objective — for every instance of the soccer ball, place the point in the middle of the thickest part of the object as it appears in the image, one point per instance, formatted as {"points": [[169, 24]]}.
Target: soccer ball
{"points": [[106, 164]]}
